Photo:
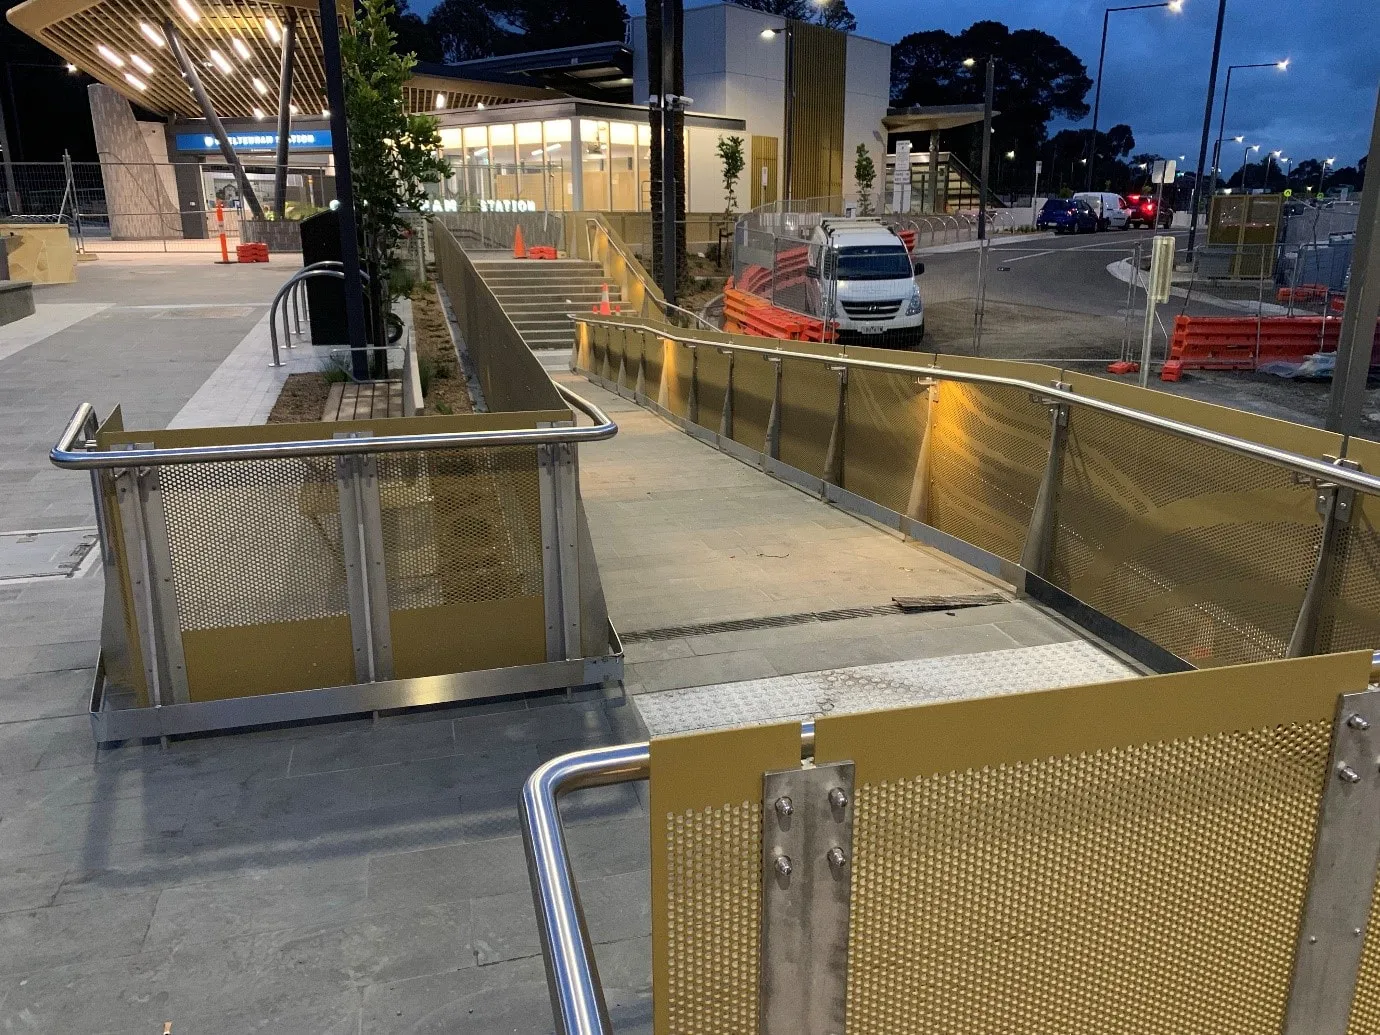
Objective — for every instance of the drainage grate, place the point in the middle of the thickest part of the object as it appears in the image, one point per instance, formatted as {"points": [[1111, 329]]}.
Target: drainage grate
{"points": [[906, 605], [46, 553]]}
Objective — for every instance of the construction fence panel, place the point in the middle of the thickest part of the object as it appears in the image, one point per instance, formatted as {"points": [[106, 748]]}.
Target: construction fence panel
{"points": [[1131, 856]]}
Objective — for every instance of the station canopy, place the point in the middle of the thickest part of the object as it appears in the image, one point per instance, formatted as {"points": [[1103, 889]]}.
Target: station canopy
{"points": [[925, 118], [235, 43]]}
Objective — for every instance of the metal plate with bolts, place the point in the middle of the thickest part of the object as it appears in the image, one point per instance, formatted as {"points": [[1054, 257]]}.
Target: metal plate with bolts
{"points": [[1346, 849], [44, 554], [807, 856]]}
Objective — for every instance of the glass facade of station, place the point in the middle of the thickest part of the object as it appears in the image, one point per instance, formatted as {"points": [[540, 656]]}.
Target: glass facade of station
{"points": [[551, 165]]}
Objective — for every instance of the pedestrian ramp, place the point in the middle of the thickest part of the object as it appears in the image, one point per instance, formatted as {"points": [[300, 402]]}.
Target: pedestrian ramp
{"points": [[865, 688]]}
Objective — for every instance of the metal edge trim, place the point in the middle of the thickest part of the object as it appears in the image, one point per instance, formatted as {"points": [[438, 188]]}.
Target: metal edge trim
{"points": [[1128, 641], [327, 702]]}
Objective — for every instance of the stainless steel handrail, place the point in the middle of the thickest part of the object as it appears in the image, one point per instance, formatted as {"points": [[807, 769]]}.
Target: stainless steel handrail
{"points": [[577, 998], [657, 300], [70, 454], [1331, 473]]}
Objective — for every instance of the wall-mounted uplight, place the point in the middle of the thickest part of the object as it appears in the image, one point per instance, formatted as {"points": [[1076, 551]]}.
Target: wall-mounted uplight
{"points": [[240, 48], [135, 81], [141, 64], [440, 101], [260, 87], [109, 56], [189, 11], [152, 35], [220, 61], [271, 27]]}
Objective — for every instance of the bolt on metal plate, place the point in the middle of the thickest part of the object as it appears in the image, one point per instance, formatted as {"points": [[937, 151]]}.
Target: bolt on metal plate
{"points": [[807, 853]]}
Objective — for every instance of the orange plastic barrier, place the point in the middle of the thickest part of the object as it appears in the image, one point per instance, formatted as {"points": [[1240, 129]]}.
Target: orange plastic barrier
{"points": [[908, 236], [251, 252], [1244, 343], [737, 305], [541, 251]]}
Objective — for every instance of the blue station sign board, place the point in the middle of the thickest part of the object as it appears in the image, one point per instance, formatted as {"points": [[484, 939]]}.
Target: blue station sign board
{"points": [[267, 140]]}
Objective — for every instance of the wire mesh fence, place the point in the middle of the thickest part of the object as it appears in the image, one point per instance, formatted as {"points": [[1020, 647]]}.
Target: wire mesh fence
{"points": [[112, 206]]}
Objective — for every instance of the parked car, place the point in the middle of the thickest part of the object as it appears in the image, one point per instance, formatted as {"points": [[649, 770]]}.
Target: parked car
{"points": [[1146, 212], [1112, 211], [863, 275], [1067, 216]]}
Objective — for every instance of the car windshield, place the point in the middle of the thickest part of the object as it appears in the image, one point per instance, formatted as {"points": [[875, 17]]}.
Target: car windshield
{"points": [[874, 262]]}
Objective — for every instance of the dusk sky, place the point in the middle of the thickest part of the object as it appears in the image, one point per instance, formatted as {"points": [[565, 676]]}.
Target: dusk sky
{"points": [[1157, 65]]}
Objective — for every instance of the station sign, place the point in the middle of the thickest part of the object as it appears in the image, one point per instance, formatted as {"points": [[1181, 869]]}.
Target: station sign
{"points": [[267, 140]]}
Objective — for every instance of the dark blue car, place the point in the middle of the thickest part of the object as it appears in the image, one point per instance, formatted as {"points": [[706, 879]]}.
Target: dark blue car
{"points": [[1067, 216]]}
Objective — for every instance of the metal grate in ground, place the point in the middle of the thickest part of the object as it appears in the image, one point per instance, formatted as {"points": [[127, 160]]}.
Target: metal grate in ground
{"points": [[874, 687]]}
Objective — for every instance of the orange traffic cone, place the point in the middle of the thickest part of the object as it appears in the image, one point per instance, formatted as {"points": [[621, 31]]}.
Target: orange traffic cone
{"points": [[604, 308], [519, 249]]}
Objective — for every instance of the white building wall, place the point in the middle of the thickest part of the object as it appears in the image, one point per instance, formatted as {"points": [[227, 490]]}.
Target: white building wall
{"points": [[867, 90], [755, 83]]}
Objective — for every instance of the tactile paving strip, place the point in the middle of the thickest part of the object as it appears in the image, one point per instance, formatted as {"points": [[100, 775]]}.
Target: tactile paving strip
{"points": [[872, 687]]}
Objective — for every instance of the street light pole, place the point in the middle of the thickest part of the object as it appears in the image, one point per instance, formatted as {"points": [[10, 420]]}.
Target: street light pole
{"points": [[1174, 5], [1322, 176], [1245, 156], [1283, 66], [1207, 128], [987, 97]]}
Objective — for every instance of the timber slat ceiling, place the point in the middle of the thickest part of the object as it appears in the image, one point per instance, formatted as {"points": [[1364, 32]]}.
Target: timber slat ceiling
{"points": [[238, 31]]}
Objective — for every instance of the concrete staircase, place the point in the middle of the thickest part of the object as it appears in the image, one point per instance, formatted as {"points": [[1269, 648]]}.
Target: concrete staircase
{"points": [[538, 293]]}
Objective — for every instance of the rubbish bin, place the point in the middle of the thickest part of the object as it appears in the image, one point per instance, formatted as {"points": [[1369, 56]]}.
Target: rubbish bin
{"points": [[325, 295]]}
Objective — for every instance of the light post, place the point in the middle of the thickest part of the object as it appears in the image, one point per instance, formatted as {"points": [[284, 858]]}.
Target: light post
{"points": [[1245, 157], [987, 97], [1283, 66], [1007, 174], [1175, 6], [1322, 176]]}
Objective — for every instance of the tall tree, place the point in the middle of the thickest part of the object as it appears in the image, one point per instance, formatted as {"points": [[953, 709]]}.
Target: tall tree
{"points": [[413, 35], [1037, 78], [833, 14], [466, 29]]}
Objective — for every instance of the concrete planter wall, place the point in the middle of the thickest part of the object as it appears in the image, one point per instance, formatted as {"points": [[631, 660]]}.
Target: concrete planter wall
{"points": [[281, 235]]}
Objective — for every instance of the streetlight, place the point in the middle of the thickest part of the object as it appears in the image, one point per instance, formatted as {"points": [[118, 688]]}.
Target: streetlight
{"points": [[987, 96], [1282, 66], [1245, 156], [1175, 7], [1322, 176]]}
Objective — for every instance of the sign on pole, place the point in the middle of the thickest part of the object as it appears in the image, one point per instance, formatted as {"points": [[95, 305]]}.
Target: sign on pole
{"points": [[900, 178], [1163, 171]]}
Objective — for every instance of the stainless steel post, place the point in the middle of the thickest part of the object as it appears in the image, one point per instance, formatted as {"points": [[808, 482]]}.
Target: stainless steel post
{"points": [[285, 70], [1039, 539], [1335, 504]]}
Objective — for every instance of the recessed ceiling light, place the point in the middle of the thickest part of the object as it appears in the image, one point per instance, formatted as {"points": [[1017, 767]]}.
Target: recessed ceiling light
{"points": [[271, 27], [292, 108], [220, 61], [135, 81], [151, 34], [260, 87], [110, 56], [71, 68], [141, 64], [240, 48], [189, 11], [325, 113], [440, 101], [258, 113]]}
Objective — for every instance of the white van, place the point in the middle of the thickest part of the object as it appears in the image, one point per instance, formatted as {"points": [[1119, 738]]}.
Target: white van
{"points": [[862, 277], [1112, 211]]}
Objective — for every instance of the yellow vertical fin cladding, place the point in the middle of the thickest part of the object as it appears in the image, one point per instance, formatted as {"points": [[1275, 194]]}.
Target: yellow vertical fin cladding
{"points": [[816, 114], [1126, 857], [706, 837]]}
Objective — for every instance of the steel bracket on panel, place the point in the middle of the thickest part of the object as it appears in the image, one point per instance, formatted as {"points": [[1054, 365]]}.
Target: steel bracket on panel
{"points": [[136, 551], [558, 487], [1341, 881], [1334, 504], [163, 592], [1039, 539], [361, 537], [772, 447], [807, 859]]}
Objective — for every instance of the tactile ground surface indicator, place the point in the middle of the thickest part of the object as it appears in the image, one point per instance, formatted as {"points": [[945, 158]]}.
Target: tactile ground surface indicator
{"points": [[874, 687]]}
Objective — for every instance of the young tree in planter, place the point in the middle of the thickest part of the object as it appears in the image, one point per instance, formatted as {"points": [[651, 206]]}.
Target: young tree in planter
{"points": [[731, 154], [865, 173], [393, 155]]}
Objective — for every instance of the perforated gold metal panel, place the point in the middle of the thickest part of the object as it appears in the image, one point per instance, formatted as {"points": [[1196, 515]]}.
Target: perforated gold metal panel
{"points": [[989, 451], [713, 375], [679, 367], [809, 402], [754, 383], [1207, 555], [706, 860], [1127, 858], [887, 415], [255, 542], [652, 352]]}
